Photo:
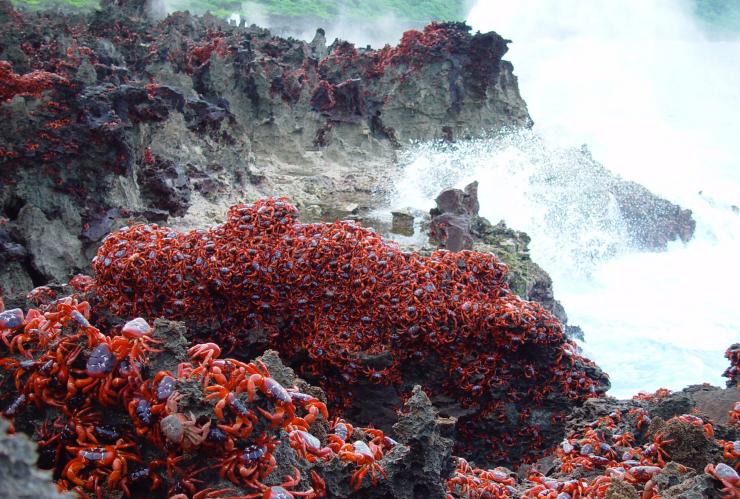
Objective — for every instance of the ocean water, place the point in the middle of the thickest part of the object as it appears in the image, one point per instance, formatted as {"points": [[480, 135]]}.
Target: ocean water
{"points": [[655, 99]]}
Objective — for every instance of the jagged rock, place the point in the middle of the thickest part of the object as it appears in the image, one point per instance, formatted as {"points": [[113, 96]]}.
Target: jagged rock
{"points": [[710, 401], [418, 465], [673, 474], [686, 444], [452, 218], [455, 225], [13, 275], [167, 185], [318, 45], [732, 373], [375, 404], [619, 489], [173, 336], [56, 253], [218, 109], [698, 487], [99, 224], [652, 222], [14, 278], [323, 123], [453, 231], [19, 476], [10, 251], [649, 222]]}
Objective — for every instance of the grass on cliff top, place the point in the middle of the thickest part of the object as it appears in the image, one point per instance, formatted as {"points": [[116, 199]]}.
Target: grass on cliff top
{"points": [[53, 4], [328, 10]]}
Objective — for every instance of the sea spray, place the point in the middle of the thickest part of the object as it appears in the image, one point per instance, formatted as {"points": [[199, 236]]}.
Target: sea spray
{"points": [[656, 101]]}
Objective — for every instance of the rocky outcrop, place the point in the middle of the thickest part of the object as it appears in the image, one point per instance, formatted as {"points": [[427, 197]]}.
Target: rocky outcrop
{"points": [[652, 222], [418, 466], [125, 117], [732, 373], [451, 220], [19, 476], [649, 222], [176, 119]]}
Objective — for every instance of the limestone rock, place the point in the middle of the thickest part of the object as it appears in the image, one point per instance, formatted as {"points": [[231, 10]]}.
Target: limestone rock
{"points": [[19, 476], [56, 253]]}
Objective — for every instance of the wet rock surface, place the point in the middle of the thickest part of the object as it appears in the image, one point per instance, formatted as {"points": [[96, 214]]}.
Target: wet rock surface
{"points": [[451, 220], [652, 222], [421, 461]]}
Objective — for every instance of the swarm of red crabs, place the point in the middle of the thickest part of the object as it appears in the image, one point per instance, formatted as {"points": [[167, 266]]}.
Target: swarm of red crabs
{"points": [[114, 416], [603, 452], [111, 423], [340, 296], [55, 361]]}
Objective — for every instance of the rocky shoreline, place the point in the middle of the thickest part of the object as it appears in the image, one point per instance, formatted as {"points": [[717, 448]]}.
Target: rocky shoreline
{"points": [[132, 119], [113, 118], [160, 420]]}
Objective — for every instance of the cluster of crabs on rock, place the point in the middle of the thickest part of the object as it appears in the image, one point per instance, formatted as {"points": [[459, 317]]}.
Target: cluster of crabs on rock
{"points": [[344, 306], [113, 418], [133, 407]]}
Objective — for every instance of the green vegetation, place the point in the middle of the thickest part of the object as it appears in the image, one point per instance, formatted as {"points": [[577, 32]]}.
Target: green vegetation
{"points": [[719, 15], [412, 10], [401, 10], [57, 4]]}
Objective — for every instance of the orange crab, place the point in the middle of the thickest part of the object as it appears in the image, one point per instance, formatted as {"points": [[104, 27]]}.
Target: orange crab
{"points": [[366, 456]]}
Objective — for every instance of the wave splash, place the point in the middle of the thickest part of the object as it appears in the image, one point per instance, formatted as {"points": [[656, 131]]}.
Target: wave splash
{"points": [[656, 99]]}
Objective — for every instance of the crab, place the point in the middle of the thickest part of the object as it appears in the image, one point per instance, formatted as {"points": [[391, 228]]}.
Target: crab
{"points": [[728, 477], [341, 431], [135, 341], [309, 447], [68, 310], [641, 474], [260, 379], [281, 491], [656, 450], [311, 404], [179, 429], [111, 460], [250, 464], [364, 455]]}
